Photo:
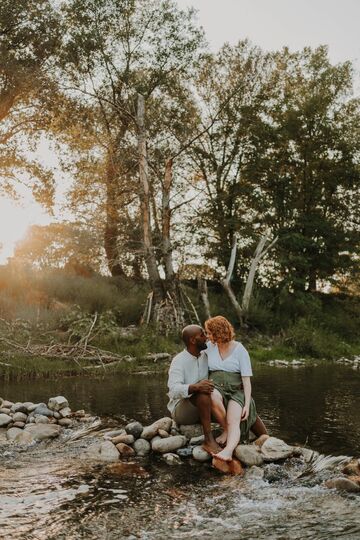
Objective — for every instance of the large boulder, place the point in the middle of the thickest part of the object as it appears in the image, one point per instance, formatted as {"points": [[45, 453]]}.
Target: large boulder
{"points": [[150, 431], [19, 407], [124, 438], [5, 420], [168, 445], [41, 432], [57, 403], [249, 454], [199, 454], [41, 419], [19, 417], [142, 447], [12, 432], [125, 450], [135, 429], [275, 449], [191, 430], [65, 412], [343, 484], [5, 410], [24, 437], [42, 410], [7, 404]]}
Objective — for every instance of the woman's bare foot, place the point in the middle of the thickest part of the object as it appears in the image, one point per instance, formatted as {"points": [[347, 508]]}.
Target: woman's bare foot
{"points": [[221, 439], [224, 455], [211, 447]]}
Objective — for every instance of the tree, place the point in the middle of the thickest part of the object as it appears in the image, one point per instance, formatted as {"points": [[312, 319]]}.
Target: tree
{"points": [[117, 55], [308, 170], [28, 40], [232, 86]]}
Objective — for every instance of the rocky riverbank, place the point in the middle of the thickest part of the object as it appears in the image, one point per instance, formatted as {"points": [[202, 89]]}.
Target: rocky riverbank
{"points": [[23, 424]]}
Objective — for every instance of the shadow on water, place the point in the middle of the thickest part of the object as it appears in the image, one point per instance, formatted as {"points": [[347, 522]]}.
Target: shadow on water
{"points": [[50, 492]]}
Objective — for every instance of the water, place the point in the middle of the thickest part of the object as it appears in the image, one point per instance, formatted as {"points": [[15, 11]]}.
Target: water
{"points": [[51, 493]]}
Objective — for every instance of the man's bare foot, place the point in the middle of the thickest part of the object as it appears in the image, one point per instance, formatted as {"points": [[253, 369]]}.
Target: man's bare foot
{"points": [[211, 447], [224, 455], [221, 439], [222, 466]]}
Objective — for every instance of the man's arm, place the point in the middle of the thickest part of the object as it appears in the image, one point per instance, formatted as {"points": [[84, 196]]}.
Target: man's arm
{"points": [[177, 387]]}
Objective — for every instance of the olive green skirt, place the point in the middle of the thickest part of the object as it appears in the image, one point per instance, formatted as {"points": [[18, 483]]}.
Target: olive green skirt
{"points": [[230, 387]]}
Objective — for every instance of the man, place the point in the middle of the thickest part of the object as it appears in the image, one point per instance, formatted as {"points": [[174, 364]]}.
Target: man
{"points": [[190, 390]]}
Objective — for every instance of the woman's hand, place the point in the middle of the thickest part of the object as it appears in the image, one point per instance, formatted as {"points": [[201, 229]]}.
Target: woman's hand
{"points": [[245, 413]]}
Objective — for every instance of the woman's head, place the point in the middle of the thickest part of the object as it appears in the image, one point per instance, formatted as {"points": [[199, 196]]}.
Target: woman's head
{"points": [[219, 330]]}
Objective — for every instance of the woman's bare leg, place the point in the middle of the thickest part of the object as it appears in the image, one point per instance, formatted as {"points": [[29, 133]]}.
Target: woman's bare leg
{"points": [[219, 411], [233, 417]]}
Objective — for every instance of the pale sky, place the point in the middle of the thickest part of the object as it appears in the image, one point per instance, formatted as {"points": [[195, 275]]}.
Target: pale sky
{"points": [[271, 24]]}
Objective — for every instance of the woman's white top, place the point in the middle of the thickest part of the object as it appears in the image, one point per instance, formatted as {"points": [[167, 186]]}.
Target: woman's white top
{"points": [[237, 361]]}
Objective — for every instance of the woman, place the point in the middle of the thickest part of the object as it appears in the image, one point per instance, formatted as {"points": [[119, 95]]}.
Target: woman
{"points": [[230, 370]]}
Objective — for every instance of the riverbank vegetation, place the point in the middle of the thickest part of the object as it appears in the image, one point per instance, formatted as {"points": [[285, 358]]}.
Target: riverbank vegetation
{"points": [[199, 183]]}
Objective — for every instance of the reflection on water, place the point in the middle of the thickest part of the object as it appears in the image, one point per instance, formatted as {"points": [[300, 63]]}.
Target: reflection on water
{"points": [[318, 404], [49, 492]]}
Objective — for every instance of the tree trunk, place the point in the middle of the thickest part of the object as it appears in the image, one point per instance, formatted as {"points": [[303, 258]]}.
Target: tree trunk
{"points": [[226, 282], [148, 247], [166, 223], [112, 219], [202, 286]]}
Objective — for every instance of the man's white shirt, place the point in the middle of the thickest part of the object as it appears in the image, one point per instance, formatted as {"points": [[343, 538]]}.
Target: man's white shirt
{"points": [[185, 369]]}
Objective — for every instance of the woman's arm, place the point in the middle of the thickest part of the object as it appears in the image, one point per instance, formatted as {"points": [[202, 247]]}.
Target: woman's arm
{"points": [[247, 392]]}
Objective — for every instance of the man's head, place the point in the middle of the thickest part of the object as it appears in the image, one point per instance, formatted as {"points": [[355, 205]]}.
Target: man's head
{"points": [[194, 338]]}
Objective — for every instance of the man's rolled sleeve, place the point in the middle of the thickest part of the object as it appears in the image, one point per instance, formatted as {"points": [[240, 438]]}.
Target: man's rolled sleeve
{"points": [[177, 387]]}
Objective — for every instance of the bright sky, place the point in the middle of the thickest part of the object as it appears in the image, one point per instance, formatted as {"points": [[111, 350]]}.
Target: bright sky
{"points": [[271, 24]]}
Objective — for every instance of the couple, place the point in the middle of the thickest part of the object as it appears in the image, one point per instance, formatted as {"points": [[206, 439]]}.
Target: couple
{"points": [[211, 378]]}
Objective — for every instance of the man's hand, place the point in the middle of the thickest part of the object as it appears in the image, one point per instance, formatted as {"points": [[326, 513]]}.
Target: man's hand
{"points": [[203, 387]]}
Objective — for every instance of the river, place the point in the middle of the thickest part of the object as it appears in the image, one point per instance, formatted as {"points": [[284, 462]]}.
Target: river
{"points": [[62, 497]]}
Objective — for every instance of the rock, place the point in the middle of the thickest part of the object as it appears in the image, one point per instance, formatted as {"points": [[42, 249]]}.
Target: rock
{"points": [[5, 420], [12, 432], [172, 459], [57, 415], [7, 404], [20, 417], [66, 411], [31, 420], [197, 440], [111, 434], [125, 450], [19, 424], [275, 449], [124, 438], [185, 452], [150, 431], [41, 419], [65, 422], [174, 431], [352, 468], [168, 445], [156, 438], [142, 447], [4, 410], [163, 434], [57, 403], [343, 484], [28, 404], [41, 432], [254, 473], [200, 454], [24, 437], [190, 431], [260, 440], [135, 429], [249, 454], [42, 410], [31, 408], [19, 407], [108, 452]]}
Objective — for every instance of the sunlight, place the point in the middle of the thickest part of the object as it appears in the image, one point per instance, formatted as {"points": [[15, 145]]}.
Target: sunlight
{"points": [[15, 218]]}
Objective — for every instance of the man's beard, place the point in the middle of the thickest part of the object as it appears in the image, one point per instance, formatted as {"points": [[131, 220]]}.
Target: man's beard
{"points": [[202, 346]]}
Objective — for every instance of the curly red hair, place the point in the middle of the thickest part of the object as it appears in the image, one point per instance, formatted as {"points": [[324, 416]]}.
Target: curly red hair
{"points": [[222, 331]]}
